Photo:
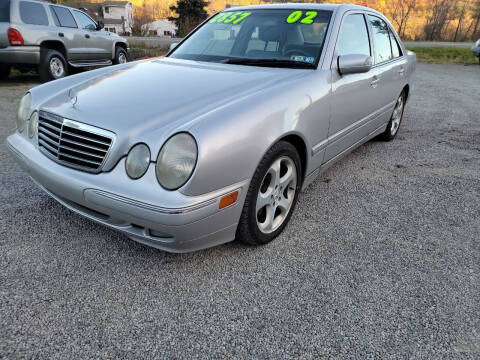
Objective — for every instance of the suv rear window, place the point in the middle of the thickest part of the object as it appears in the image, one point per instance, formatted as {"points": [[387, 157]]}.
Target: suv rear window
{"points": [[5, 11], [33, 13], [64, 16]]}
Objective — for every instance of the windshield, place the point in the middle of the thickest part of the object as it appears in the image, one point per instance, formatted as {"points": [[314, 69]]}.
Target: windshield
{"points": [[273, 37]]}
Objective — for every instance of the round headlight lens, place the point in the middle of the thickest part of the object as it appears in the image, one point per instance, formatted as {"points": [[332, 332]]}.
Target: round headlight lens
{"points": [[176, 161], [23, 111], [32, 126], [138, 160]]}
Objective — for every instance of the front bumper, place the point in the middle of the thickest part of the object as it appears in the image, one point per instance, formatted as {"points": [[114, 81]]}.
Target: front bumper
{"points": [[29, 55], [113, 199], [476, 51]]}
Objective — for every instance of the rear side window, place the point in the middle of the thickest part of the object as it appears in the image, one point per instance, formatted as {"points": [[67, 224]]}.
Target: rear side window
{"points": [[396, 49], [381, 39], [5, 11], [353, 37], [64, 16], [33, 13]]}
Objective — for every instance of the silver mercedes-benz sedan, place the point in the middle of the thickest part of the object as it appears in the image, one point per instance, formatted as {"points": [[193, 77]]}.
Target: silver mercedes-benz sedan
{"points": [[215, 141]]}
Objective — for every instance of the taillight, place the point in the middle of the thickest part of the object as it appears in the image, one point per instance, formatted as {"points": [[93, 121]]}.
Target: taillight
{"points": [[14, 37]]}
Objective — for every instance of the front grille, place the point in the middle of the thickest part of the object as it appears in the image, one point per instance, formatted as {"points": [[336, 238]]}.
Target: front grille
{"points": [[73, 144]]}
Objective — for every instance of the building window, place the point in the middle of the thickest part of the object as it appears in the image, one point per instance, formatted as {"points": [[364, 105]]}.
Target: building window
{"points": [[167, 33], [107, 10]]}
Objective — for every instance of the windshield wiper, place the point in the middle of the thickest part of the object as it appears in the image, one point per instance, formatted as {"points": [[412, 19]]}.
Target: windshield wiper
{"points": [[271, 63]]}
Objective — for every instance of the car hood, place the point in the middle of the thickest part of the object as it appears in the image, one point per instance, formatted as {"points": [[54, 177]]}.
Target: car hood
{"points": [[152, 94], [149, 101]]}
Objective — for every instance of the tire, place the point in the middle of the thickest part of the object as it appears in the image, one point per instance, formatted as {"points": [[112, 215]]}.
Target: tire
{"points": [[121, 56], [396, 120], [253, 227], [4, 71], [52, 65]]}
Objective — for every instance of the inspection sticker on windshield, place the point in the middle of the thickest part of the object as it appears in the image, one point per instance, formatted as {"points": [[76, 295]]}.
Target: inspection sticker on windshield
{"points": [[231, 17], [304, 18], [305, 59]]}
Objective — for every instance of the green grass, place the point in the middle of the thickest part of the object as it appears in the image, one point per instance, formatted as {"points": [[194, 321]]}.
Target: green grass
{"points": [[137, 53], [444, 55]]}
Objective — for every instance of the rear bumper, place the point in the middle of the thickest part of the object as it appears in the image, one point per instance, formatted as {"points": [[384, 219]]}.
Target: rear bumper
{"points": [[98, 197], [20, 55]]}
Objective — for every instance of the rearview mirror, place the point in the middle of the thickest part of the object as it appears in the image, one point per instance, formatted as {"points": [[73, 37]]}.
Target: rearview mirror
{"points": [[173, 46], [354, 64], [100, 25]]}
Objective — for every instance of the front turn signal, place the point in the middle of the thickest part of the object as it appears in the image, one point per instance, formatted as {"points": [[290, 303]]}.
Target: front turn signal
{"points": [[228, 200]]}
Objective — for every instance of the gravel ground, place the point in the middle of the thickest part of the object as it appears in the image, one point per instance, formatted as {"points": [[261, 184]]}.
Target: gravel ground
{"points": [[381, 259]]}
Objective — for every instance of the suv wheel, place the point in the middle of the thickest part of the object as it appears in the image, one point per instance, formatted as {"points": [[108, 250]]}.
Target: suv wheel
{"points": [[121, 56], [4, 71], [272, 195], [52, 66]]}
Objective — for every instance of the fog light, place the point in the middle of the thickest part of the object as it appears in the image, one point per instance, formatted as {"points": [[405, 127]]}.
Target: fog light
{"points": [[32, 126]]}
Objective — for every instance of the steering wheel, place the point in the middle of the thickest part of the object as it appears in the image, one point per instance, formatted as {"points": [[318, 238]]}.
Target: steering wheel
{"points": [[296, 52]]}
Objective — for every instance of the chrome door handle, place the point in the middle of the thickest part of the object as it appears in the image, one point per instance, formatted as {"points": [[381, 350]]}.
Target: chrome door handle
{"points": [[401, 71], [374, 82]]}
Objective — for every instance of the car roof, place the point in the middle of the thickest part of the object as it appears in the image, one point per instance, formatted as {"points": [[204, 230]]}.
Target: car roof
{"points": [[301, 6]]}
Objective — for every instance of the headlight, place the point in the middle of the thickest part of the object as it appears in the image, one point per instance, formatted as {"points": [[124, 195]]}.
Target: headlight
{"points": [[23, 111], [176, 161], [32, 125], [477, 43], [138, 160]]}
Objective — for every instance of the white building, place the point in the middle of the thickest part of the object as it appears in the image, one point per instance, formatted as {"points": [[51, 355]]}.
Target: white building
{"points": [[163, 28], [116, 15]]}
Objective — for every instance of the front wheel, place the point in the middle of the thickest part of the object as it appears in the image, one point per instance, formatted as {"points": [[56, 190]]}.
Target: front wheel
{"points": [[396, 119], [272, 195], [121, 56]]}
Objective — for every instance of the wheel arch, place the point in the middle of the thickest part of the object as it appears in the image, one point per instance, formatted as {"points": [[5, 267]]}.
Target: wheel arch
{"points": [[55, 45], [300, 145]]}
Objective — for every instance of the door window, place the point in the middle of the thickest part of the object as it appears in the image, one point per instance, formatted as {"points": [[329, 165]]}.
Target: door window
{"points": [[33, 13], [396, 49], [381, 39], [84, 21], [353, 37], [64, 17]]}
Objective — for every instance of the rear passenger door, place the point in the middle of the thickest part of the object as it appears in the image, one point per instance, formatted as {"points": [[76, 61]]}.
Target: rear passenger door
{"points": [[389, 67], [69, 33]]}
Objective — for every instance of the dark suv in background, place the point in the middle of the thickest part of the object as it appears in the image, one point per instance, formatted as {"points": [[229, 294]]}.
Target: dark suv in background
{"points": [[54, 39]]}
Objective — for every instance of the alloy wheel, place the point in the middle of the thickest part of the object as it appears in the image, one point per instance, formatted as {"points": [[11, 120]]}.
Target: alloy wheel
{"points": [[397, 116], [276, 194], [56, 67]]}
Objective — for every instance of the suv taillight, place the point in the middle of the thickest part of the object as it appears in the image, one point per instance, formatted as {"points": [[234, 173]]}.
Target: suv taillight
{"points": [[14, 37]]}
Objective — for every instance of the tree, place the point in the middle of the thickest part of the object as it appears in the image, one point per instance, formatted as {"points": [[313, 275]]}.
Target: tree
{"points": [[190, 14]]}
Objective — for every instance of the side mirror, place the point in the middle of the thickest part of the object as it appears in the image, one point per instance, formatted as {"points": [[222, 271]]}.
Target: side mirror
{"points": [[173, 46], [354, 64], [100, 25]]}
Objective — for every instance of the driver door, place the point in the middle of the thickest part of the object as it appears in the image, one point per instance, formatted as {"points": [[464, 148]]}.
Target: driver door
{"points": [[97, 46], [353, 95]]}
